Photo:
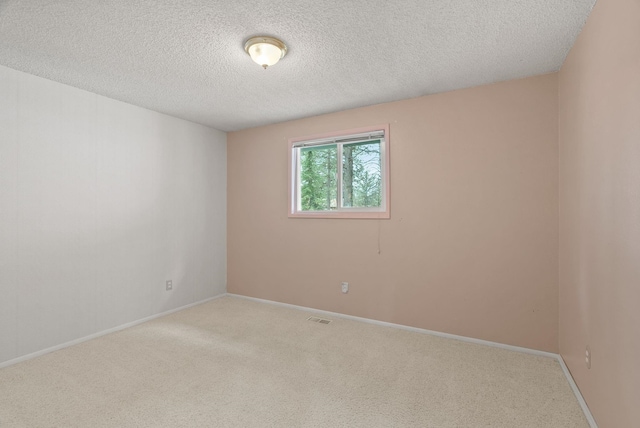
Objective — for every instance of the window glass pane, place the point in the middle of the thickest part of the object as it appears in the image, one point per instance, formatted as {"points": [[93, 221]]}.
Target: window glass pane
{"points": [[361, 174], [319, 178]]}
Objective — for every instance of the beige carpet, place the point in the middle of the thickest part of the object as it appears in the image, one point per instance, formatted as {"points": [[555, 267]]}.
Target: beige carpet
{"points": [[238, 363]]}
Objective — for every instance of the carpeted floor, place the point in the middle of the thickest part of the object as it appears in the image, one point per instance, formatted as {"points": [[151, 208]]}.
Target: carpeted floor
{"points": [[233, 362]]}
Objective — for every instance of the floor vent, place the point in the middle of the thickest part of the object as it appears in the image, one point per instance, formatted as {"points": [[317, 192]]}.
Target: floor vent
{"points": [[319, 320]]}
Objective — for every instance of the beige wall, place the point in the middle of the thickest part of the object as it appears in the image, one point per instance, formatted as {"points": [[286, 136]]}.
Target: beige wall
{"points": [[471, 246], [599, 95]]}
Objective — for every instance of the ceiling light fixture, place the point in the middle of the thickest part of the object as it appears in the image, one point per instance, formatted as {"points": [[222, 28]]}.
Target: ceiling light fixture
{"points": [[265, 50]]}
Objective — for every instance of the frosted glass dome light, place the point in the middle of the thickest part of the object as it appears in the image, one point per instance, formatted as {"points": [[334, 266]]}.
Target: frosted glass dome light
{"points": [[264, 50]]}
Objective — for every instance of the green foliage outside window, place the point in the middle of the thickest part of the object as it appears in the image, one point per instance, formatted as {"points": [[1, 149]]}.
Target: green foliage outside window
{"points": [[361, 176]]}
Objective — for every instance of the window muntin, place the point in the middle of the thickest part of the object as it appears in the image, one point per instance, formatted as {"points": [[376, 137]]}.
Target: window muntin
{"points": [[341, 175]]}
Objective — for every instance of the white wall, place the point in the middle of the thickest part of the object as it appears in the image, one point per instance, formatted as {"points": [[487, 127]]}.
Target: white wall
{"points": [[100, 203]]}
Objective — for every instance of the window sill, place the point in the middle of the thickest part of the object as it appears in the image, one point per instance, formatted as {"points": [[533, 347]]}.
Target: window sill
{"points": [[380, 215]]}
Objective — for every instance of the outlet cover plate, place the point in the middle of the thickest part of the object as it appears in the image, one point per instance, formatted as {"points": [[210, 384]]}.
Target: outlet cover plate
{"points": [[587, 357]]}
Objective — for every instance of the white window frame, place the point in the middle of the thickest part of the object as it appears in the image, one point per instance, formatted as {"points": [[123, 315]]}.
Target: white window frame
{"points": [[379, 132]]}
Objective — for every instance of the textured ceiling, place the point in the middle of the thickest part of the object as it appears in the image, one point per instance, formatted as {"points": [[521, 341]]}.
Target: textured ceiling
{"points": [[186, 58]]}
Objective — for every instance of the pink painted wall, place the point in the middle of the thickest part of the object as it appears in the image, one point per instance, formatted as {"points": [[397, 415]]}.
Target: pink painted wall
{"points": [[472, 244], [599, 138]]}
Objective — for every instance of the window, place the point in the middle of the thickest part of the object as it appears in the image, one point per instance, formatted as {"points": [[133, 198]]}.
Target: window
{"points": [[340, 175]]}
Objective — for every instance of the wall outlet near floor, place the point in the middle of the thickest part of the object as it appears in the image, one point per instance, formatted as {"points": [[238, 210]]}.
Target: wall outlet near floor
{"points": [[345, 287], [169, 285], [587, 357]]}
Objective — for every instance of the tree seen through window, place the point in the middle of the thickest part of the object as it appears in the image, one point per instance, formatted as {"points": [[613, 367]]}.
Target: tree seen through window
{"points": [[361, 176]]}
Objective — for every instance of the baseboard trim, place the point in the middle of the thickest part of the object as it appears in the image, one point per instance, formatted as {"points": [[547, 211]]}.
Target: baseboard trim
{"points": [[530, 351], [565, 369], [577, 393], [405, 327], [103, 333]]}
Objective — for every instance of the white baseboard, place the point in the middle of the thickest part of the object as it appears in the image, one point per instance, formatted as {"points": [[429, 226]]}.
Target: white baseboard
{"points": [[102, 333], [578, 394], [566, 371], [530, 351], [404, 327]]}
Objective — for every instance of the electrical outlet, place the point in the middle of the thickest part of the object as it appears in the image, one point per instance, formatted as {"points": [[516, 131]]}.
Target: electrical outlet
{"points": [[587, 357], [345, 287], [169, 285]]}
